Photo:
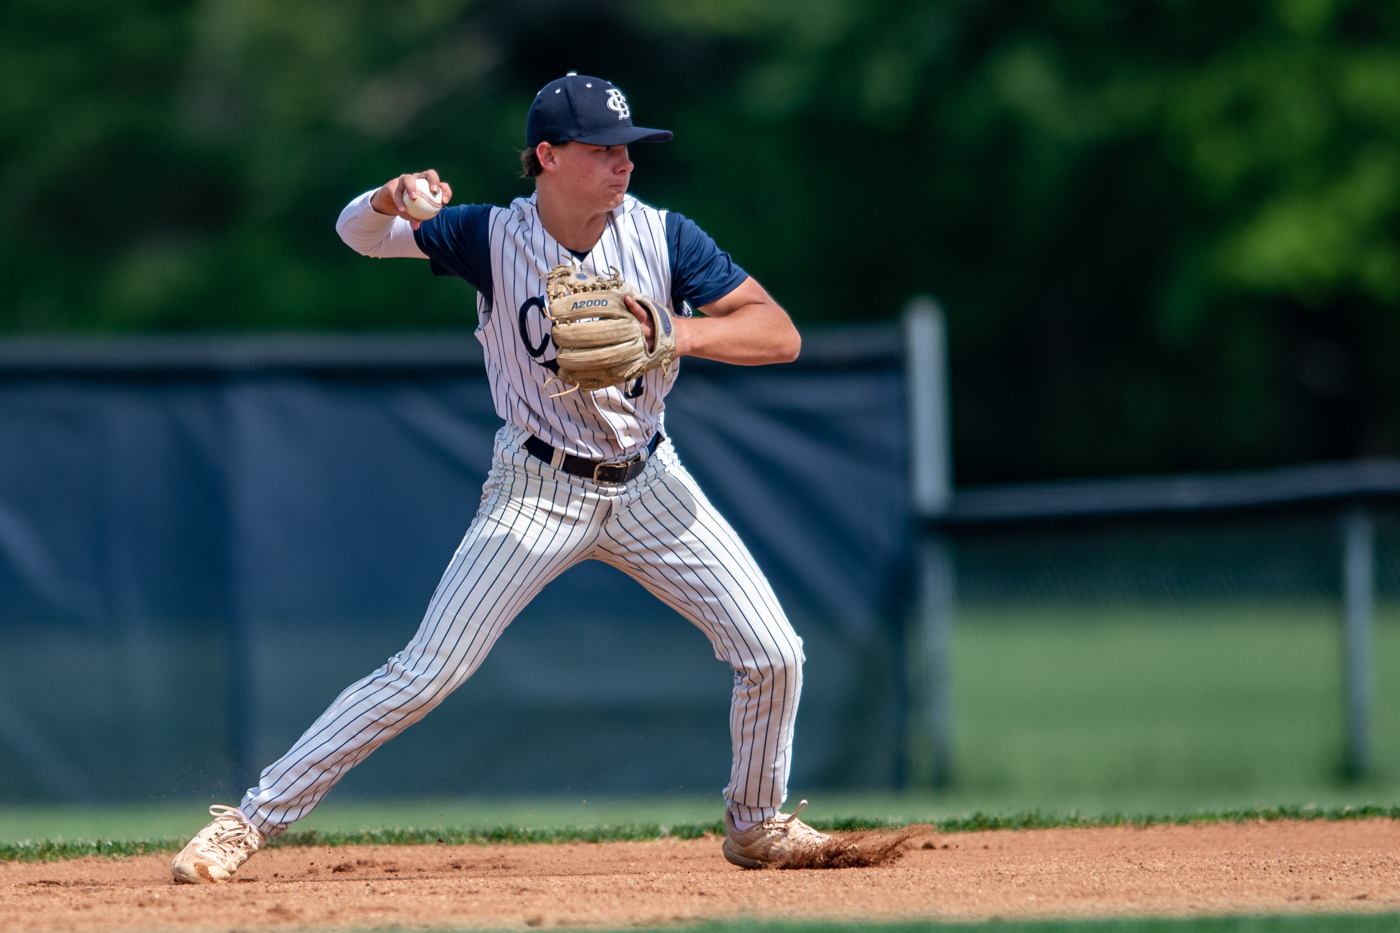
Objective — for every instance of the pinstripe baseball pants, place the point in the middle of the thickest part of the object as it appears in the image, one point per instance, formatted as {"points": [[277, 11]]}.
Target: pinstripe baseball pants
{"points": [[533, 524]]}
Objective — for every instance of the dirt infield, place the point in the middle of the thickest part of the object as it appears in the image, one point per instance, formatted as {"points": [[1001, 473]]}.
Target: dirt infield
{"points": [[1277, 867]]}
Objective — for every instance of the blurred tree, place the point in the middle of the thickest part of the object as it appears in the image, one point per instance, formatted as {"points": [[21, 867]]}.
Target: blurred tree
{"points": [[174, 165], [1165, 230]]}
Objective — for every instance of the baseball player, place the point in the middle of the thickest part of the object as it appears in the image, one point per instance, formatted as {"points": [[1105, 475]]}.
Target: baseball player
{"points": [[575, 474]]}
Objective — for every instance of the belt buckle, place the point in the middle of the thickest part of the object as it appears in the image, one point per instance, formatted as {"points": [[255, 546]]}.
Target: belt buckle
{"points": [[603, 471]]}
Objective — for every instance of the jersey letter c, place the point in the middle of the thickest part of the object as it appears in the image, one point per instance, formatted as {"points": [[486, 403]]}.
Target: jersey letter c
{"points": [[530, 348]]}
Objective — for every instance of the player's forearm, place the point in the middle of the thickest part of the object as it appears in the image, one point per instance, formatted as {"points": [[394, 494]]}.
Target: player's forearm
{"points": [[753, 335], [371, 233]]}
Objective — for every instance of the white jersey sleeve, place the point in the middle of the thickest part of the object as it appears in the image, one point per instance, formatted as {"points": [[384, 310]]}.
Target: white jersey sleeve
{"points": [[371, 233]]}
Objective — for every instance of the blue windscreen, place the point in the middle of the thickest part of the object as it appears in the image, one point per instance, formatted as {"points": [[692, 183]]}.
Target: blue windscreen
{"points": [[195, 561]]}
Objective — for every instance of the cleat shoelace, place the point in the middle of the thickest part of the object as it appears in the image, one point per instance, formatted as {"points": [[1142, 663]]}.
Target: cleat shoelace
{"points": [[230, 834], [790, 826]]}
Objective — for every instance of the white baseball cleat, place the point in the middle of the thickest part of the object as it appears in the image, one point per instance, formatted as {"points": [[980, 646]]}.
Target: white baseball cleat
{"points": [[220, 848], [771, 841]]}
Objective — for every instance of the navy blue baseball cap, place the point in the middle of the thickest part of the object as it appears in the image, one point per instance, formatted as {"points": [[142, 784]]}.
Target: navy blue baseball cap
{"points": [[577, 108]]}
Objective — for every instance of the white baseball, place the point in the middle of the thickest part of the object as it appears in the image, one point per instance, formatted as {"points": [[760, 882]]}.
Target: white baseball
{"points": [[426, 205]]}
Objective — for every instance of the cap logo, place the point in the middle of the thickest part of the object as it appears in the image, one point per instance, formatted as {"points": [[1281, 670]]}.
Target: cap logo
{"points": [[618, 103]]}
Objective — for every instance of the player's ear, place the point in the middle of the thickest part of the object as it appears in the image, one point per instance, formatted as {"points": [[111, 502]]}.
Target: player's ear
{"points": [[548, 156]]}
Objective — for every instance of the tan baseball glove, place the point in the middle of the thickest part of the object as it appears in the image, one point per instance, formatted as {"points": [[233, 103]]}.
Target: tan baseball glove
{"points": [[599, 343]]}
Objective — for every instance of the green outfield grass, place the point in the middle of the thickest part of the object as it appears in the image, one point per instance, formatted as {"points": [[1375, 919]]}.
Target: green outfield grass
{"points": [[1107, 708], [1334, 923], [41, 849], [184, 818], [573, 819]]}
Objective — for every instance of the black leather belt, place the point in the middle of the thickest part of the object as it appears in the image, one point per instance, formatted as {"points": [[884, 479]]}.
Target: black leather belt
{"points": [[615, 473]]}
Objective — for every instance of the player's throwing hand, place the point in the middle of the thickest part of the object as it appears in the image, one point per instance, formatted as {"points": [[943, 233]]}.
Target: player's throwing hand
{"points": [[393, 198]]}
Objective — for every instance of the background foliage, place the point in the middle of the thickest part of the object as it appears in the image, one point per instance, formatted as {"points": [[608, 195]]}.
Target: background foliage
{"points": [[1165, 231]]}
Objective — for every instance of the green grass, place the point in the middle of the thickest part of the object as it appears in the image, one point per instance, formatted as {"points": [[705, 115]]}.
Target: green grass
{"points": [[184, 817], [1336, 923], [45, 850], [1103, 706], [181, 819]]}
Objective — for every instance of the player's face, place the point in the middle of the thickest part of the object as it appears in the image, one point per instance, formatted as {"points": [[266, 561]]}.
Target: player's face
{"points": [[594, 177]]}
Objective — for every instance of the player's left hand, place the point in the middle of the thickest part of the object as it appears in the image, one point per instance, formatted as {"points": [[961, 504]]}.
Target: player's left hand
{"points": [[645, 320]]}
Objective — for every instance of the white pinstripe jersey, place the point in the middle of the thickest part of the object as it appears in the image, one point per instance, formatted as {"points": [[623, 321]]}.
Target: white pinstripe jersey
{"points": [[603, 424]]}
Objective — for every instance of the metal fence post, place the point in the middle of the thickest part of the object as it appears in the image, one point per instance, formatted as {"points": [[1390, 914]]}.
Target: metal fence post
{"points": [[926, 375], [1358, 602]]}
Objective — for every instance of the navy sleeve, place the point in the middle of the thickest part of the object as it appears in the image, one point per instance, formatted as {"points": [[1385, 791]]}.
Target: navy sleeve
{"points": [[700, 271], [457, 242]]}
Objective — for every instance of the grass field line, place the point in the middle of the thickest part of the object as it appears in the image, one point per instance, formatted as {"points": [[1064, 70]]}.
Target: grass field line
{"points": [[49, 850]]}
